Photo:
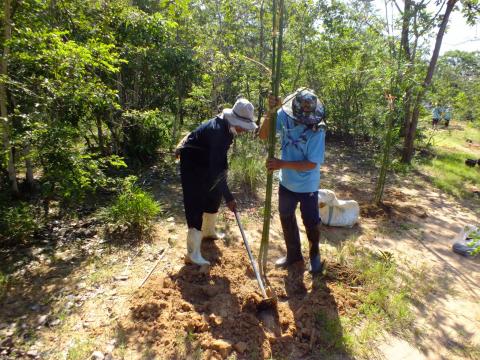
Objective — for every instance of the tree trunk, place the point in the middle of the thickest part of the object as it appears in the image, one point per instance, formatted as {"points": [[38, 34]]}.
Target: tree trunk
{"points": [[7, 31], [101, 138], [300, 64], [408, 146], [178, 114], [29, 167]]}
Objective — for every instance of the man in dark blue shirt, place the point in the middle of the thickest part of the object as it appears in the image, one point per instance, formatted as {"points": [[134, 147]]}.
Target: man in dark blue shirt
{"points": [[203, 166]]}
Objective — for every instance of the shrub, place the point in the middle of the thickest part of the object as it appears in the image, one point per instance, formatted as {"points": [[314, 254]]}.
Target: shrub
{"points": [[17, 223], [133, 210], [144, 132]]}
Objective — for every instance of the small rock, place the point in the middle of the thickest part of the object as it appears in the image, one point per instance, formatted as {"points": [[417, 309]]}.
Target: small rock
{"points": [[97, 355], [55, 322], [32, 353], [240, 347], [215, 319], [121, 277], [222, 346], [35, 307], [172, 241], [171, 219], [187, 307], [42, 319], [69, 305]]}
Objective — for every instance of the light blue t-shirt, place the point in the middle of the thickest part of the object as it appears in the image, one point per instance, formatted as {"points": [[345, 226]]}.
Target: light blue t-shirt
{"points": [[300, 143]]}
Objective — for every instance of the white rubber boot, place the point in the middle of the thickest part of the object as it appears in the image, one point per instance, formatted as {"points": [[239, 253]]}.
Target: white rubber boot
{"points": [[208, 227], [194, 242]]}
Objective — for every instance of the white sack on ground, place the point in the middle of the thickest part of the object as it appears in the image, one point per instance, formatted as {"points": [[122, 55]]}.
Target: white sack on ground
{"points": [[336, 212]]}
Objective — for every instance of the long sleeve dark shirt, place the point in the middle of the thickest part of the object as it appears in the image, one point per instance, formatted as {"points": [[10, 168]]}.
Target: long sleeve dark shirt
{"points": [[212, 139]]}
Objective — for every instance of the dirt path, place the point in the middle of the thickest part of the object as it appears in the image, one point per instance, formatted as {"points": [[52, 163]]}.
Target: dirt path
{"points": [[451, 316], [421, 229]]}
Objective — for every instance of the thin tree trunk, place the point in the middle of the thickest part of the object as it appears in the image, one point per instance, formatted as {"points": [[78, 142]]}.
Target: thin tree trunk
{"points": [[121, 95], [382, 177], [300, 64], [408, 146], [179, 110], [136, 83], [7, 33], [29, 167], [101, 139], [262, 60]]}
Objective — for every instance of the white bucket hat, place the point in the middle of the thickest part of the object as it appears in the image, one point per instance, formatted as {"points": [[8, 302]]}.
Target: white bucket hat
{"points": [[240, 115]]}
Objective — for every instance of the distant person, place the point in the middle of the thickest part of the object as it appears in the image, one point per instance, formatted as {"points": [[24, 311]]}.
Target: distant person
{"points": [[203, 167], [436, 115], [302, 135], [447, 115]]}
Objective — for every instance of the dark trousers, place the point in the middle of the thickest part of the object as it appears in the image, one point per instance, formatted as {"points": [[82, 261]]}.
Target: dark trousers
{"points": [[287, 204], [199, 195], [288, 201]]}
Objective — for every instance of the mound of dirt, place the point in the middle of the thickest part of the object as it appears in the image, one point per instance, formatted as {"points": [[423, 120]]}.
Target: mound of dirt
{"points": [[209, 313]]}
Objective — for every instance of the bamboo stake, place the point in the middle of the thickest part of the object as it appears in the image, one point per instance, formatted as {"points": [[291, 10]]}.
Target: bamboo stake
{"points": [[276, 72]]}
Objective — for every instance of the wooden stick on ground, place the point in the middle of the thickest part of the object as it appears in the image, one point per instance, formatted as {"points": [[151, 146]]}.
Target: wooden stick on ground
{"points": [[163, 252]]}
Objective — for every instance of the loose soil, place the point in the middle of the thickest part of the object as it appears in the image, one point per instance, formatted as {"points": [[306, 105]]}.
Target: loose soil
{"points": [[218, 307]]}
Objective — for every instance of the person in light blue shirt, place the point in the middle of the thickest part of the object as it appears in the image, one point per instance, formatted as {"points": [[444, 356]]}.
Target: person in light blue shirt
{"points": [[436, 115], [302, 137]]}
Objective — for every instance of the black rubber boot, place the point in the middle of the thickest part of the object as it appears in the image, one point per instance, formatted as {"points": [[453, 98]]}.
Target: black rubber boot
{"points": [[313, 235], [292, 241]]}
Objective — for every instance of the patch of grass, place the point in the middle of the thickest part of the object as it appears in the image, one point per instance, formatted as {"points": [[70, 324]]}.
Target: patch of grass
{"points": [[81, 349], [187, 346], [247, 164], [457, 139], [449, 173], [384, 296], [331, 330]]}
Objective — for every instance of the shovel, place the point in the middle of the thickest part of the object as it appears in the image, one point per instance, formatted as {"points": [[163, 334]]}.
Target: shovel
{"points": [[267, 308]]}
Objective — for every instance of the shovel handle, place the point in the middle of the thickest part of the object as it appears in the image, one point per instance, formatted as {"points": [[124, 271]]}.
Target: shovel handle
{"points": [[252, 260]]}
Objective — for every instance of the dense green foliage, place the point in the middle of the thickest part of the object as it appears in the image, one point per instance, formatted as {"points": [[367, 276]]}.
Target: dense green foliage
{"points": [[458, 84]]}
